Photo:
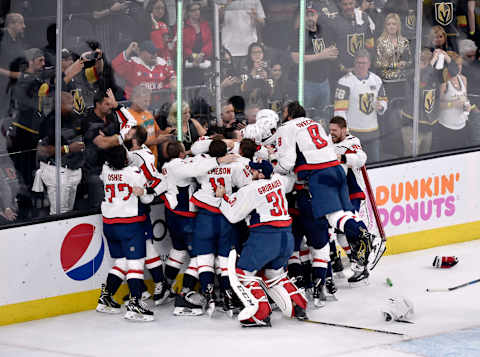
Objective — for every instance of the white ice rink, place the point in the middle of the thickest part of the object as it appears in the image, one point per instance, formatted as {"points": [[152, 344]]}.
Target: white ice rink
{"points": [[446, 324]]}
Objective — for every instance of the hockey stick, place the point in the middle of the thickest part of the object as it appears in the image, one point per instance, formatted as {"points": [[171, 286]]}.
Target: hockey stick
{"points": [[454, 287], [353, 327], [373, 204], [245, 296]]}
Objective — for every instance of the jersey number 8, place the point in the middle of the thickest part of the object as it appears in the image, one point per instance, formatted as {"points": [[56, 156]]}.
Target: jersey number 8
{"points": [[314, 132]]}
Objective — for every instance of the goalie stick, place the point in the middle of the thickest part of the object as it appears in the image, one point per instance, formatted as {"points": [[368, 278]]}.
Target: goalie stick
{"points": [[353, 327], [244, 294], [453, 287], [373, 204]]}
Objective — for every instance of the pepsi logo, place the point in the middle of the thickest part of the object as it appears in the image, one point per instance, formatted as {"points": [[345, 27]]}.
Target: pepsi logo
{"points": [[82, 252]]}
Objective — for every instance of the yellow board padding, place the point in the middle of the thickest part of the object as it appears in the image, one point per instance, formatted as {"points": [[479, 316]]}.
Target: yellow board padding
{"points": [[65, 304], [87, 300], [432, 238]]}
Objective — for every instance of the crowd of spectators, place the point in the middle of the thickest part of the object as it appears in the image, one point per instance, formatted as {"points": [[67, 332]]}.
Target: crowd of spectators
{"points": [[128, 47]]}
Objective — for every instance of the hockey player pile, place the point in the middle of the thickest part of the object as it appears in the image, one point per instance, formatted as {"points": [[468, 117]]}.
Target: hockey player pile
{"points": [[243, 213]]}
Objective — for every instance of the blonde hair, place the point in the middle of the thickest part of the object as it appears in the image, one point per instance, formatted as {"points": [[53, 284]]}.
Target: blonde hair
{"points": [[394, 16], [172, 114], [435, 30]]}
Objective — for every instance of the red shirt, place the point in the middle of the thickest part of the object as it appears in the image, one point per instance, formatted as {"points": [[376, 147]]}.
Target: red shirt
{"points": [[189, 39], [136, 72]]}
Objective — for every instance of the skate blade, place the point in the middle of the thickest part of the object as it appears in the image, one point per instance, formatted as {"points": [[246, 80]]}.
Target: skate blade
{"points": [[164, 301], [108, 310], [318, 304], [211, 309], [360, 283], [133, 316], [185, 311]]}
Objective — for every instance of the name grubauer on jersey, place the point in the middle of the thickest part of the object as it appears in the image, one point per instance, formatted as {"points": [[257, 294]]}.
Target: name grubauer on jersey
{"points": [[120, 204], [233, 175], [262, 202]]}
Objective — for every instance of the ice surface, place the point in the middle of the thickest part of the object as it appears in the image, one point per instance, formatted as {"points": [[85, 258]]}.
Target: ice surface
{"points": [[455, 314]]}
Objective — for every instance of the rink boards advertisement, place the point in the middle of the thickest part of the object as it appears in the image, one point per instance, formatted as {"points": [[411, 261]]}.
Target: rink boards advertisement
{"points": [[57, 267]]}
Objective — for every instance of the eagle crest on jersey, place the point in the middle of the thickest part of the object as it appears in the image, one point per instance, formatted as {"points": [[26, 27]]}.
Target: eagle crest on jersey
{"points": [[366, 103], [355, 42], [444, 13], [318, 45], [429, 100]]}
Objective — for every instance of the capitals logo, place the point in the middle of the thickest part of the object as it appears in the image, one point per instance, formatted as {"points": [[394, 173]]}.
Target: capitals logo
{"points": [[82, 252]]}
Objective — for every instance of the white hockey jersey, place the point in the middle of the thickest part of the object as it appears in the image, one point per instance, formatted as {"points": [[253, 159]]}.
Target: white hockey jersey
{"points": [[201, 147], [355, 100], [302, 145], [234, 175], [353, 158], [144, 159], [120, 205], [180, 175], [126, 120], [262, 202]]}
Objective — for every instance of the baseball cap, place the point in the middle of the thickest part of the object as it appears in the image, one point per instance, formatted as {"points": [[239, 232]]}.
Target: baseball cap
{"points": [[148, 46], [33, 53], [265, 167], [311, 9]]}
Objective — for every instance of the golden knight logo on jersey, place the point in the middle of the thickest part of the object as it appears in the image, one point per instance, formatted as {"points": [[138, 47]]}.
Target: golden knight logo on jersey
{"points": [[355, 42], [444, 13], [78, 101], [429, 100], [410, 21], [366, 103], [318, 45]]}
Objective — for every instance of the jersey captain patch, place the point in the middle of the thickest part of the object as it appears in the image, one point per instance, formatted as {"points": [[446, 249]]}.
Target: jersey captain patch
{"points": [[355, 42], [444, 13]]}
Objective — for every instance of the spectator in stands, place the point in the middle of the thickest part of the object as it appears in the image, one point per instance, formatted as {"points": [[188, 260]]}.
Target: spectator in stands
{"points": [[359, 98], [12, 50], [197, 46], [351, 31], [319, 57], [437, 38], [82, 78], [101, 131], [229, 76], [429, 103], [32, 101], [471, 70], [140, 65], [451, 131], [192, 130], [158, 30], [10, 186], [257, 66], [393, 62], [240, 23], [283, 88], [141, 98], [72, 155]]}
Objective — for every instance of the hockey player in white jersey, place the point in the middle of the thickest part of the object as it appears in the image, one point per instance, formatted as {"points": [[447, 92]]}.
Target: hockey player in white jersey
{"points": [[139, 155], [304, 147], [180, 216], [123, 226], [270, 244], [352, 158], [213, 235]]}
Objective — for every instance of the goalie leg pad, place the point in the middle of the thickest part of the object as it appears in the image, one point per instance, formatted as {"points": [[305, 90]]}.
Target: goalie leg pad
{"points": [[284, 292], [252, 283]]}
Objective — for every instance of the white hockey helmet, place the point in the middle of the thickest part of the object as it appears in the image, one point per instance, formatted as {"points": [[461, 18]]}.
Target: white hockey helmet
{"points": [[267, 121], [251, 131]]}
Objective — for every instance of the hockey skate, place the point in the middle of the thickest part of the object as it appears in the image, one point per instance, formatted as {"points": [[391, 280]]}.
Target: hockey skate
{"points": [[319, 298], [210, 300], [229, 303], [106, 303], [137, 311], [145, 296], [162, 294], [330, 289], [360, 273], [189, 304], [378, 249]]}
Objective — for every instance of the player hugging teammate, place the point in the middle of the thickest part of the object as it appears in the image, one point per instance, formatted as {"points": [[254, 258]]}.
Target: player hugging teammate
{"points": [[238, 194]]}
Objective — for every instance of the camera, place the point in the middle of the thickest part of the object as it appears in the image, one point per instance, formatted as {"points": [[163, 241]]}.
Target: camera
{"points": [[91, 58]]}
